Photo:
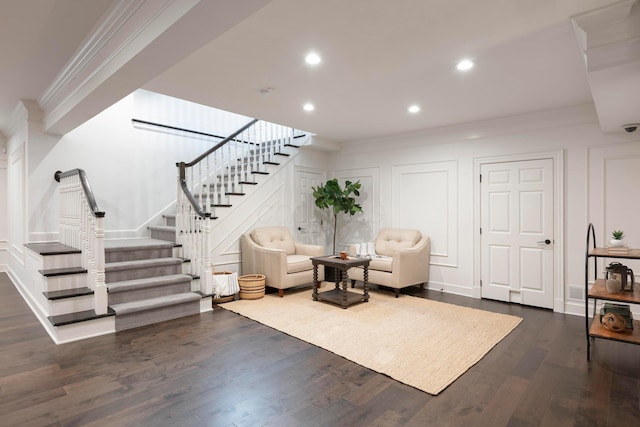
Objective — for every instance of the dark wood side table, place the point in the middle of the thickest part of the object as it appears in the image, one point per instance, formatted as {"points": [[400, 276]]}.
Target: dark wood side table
{"points": [[342, 297]]}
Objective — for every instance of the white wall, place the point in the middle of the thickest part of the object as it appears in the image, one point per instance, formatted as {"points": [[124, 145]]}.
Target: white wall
{"points": [[132, 171], [427, 181]]}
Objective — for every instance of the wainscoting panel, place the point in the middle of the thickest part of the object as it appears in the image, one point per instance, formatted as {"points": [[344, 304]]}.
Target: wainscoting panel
{"points": [[17, 207], [614, 172], [425, 196]]}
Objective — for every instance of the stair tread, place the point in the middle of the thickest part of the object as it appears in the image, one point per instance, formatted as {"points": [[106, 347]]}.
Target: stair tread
{"points": [[156, 302], [66, 271], [51, 248], [127, 285], [80, 316], [153, 262], [67, 293]]}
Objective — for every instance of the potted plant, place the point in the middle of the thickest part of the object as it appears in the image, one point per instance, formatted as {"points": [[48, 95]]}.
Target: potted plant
{"points": [[616, 241], [332, 196]]}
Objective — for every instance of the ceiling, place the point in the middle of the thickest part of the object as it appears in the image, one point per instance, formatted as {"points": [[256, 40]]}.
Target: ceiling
{"points": [[379, 57]]}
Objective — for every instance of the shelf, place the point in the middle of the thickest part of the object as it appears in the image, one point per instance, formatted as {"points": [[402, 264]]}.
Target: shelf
{"points": [[335, 296], [628, 335], [605, 253], [599, 291]]}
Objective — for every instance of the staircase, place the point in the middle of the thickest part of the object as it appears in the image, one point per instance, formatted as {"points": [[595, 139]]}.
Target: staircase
{"points": [[87, 285], [145, 283]]}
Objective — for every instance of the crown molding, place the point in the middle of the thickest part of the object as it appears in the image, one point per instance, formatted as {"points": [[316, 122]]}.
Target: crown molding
{"points": [[126, 29]]}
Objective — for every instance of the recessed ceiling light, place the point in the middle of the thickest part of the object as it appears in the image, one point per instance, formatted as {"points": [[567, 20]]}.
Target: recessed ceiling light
{"points": [[308, 107], [464, 65], [312, 58], [414, 109]]}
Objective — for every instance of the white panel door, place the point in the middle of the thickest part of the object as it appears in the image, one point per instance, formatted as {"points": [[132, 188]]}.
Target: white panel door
{"points": [[517, 232], [307, 225]]}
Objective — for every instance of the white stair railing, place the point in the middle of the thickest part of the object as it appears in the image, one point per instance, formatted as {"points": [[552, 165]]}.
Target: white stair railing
{"points": [[82, 227], [212, 178]]}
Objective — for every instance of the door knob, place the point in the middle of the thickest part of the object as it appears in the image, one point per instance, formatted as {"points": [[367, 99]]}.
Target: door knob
{"points": [[546, 241], [300, 228]]}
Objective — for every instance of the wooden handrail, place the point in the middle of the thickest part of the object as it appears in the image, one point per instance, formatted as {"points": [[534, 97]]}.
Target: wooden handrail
{"points": [[84, 180], [218, 145], [185, 189], [182, 167]]}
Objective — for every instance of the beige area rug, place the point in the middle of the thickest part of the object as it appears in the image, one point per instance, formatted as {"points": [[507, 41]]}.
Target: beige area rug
{"points": [[422, 343]]}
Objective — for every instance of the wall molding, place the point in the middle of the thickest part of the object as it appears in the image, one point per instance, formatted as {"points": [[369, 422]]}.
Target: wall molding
{"points": [[441, 178]]}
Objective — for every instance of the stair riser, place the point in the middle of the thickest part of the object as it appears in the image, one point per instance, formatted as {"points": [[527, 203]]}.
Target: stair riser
{"points": [[149, 292], [119, 256], [170, 221], [69, 305], [83, 330], [143, 273], [69, 281], [148, 317], [61, 261], [163, 235]]}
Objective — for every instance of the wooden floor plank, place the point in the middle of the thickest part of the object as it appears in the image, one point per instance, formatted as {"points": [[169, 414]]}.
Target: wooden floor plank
{"points": [[219, 368]]}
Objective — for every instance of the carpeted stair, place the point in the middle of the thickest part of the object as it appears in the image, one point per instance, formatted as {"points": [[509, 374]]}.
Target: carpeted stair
{"points": [[146, 284]]}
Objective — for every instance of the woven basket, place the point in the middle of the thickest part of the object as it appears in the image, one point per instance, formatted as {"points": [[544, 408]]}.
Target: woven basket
{"points": [[225, 298], [251, 286]]}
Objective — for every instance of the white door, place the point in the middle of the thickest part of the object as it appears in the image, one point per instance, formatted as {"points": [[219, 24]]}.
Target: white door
{"points": [[307, 223], [517, 231]]}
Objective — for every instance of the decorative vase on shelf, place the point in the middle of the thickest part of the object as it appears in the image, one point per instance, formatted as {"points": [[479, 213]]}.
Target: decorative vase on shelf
{"points": [[616, 243], [617, 238]]}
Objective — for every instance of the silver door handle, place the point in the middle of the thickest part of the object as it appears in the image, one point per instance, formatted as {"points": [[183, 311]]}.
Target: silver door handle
{"points": [[546, 241]]}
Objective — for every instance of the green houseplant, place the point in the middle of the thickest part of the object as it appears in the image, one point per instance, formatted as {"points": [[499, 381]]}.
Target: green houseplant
{"points": [[332, 196], [617, 236]]}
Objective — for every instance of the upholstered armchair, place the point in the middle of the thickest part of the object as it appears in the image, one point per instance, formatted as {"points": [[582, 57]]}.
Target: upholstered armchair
{"points": [[400, 259], [284, 262]]}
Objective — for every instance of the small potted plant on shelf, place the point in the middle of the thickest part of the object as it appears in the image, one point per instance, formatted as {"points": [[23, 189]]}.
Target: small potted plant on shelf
{"points": [[617, 241]]}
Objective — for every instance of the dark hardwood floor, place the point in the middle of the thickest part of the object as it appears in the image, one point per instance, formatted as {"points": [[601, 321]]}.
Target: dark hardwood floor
{"points": [[221, 369]]}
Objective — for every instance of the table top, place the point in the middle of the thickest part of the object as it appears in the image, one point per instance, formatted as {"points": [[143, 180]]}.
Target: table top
{"points": [[335, 261]]}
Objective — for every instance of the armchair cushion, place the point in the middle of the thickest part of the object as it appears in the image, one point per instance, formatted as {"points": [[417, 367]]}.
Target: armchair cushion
{"points": [[382, 263], [296, 263], [390, 240], [274, 238]]}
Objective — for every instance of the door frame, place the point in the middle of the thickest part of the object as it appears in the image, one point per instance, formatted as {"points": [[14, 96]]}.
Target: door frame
{"points": [[558, 220], [296, 193]]}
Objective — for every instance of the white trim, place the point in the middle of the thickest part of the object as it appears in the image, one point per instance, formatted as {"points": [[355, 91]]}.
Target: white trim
{"points": [[558, 218]]}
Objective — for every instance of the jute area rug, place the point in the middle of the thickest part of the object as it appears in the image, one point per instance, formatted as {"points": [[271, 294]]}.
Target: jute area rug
{"points": [[422, 343]]}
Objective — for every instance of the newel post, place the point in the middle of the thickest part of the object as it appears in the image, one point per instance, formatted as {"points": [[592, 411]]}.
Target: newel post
{"points": [[101, 299], [206, 278]]}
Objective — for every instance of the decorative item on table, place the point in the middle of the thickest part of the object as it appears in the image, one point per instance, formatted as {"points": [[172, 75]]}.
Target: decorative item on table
{"points": [[621, 310], [225, 286], [621, 273], [343, 255], [616, 244], [365, 250]]}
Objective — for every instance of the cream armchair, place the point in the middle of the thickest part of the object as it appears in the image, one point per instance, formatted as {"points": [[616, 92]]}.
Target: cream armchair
{"points": [[401, 259], [273, 252]]}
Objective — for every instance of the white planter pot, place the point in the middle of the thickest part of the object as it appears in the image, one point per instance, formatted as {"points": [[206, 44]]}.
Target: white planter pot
{"points": [[616, 243]]}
